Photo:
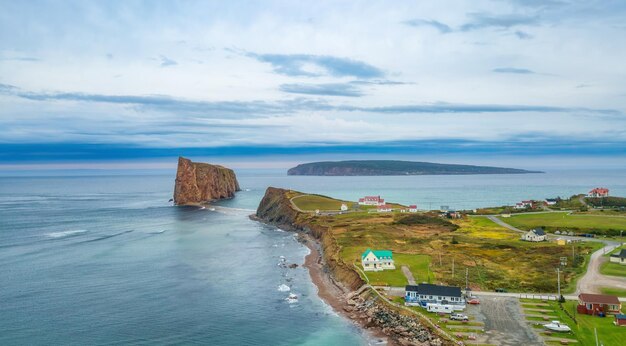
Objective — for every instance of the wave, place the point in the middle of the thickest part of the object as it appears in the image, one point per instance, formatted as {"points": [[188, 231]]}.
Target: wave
{"points": [[284, 288], [65, 234], [107, 236], [157, 232]]}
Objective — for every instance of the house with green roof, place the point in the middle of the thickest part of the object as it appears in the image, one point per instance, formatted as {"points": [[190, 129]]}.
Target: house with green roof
{"points": [[377, 260]]}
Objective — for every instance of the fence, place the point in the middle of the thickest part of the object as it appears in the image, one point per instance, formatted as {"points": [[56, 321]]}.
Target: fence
{"points": [[538, 296]]}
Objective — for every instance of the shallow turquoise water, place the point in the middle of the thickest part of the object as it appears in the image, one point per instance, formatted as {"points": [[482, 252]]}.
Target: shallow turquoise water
{"points": [[107, 260]]}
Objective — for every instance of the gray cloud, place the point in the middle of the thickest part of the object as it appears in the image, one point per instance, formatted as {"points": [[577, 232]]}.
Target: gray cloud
{"points": [[296, 64], [165, 61], [329, 89], [523, 35], [259, 108], [441, 27], [512, 70]]}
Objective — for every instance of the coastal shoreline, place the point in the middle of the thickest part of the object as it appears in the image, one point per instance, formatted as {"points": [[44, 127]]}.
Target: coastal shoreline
{"points": [[333, 293]]}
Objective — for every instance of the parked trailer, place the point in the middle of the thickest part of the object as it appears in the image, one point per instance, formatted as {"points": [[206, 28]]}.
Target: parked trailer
{"points": [[448, 309]]}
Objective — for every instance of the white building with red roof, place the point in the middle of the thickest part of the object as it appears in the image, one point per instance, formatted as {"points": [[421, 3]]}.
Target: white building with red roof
{"points": [[371, 200], [598, 192], [412, 209], [385, 208]]}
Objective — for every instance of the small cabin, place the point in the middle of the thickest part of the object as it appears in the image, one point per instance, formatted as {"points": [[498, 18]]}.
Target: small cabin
{"points": [[344, 207], [620, 320], [598, 304]]}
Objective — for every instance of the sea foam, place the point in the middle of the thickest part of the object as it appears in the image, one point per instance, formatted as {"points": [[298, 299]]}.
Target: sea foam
{"points": [[65, 234]]}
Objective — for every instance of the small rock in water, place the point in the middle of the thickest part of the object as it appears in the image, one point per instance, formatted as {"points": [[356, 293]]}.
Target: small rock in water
{"points": [[293, 265]]}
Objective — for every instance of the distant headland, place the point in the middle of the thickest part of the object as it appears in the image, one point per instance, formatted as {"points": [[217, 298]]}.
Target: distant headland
{"points": [[393, 167]]}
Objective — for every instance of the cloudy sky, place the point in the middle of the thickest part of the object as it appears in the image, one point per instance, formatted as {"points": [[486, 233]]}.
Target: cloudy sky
{"points": [[109, 80]]}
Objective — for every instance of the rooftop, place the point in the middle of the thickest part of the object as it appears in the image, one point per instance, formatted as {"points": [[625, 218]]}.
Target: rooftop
{"points": [[435, 290], [598, 298]]}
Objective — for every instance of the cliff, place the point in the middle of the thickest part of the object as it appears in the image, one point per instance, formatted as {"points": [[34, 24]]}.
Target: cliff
{"points": [[201, 182], [391, 167], [276, 209]]}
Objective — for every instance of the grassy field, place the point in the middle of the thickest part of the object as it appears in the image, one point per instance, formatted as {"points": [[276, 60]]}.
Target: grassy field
{"points": [[418, 265], [608, 333], [313, 202], [613, 291], [576, 222], [493, 255], [613, 269], [582, 329]]}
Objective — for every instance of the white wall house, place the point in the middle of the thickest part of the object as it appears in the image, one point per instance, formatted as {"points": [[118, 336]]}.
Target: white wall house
{"points": [[619, 257], [377, 260], [534, 235], [371, 200], [598, 192], [385, 208], [427, 294], [344, 207]]}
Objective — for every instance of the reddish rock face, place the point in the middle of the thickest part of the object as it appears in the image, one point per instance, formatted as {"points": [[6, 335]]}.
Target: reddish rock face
{"points": [[202, 182]]}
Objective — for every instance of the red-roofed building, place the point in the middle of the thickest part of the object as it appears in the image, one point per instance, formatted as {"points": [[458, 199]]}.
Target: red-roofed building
{"points": [[599, 192], [371, 200], [385, 208], [595, 304], [412, 209]]}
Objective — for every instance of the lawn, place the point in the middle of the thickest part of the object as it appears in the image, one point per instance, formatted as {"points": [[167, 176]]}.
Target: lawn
{"points": [[613, 291], [313, 202], [583, 329], [564, 221], [418, 265], [613, 269], [608, 333]]}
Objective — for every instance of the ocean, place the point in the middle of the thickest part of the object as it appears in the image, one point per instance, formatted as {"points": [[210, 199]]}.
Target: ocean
{"points": [[100, 260]]}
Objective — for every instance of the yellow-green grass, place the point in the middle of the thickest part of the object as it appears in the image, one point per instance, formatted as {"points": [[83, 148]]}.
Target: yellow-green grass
{"points": [[313, 202], [495, 257], [613, 291], [613, 269], [482, 227], [566, 221]]}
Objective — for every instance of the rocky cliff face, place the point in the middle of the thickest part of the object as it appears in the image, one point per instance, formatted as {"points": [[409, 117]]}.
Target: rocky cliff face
{"points": [[201, 182]]}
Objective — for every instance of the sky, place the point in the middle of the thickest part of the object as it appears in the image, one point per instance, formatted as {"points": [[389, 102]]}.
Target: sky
{"points": [[462, 81]]}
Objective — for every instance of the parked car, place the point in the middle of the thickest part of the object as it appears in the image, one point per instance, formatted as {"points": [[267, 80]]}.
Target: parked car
{"points": [[473, 300], [500, 290], [459, 317]]}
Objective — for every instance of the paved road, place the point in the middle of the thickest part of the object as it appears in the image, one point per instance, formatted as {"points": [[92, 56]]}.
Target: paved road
{"points": [[409, 276], [504, 224]]}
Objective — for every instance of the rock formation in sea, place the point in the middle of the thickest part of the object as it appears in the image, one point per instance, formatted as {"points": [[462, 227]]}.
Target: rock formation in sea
{"points": [[198, 182]]}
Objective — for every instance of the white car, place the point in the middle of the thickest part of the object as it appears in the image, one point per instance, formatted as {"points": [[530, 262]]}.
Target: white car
{"points": [[459, 317]]}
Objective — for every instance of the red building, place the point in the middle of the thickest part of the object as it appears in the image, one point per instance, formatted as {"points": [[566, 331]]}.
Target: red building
{"points": [[595, 304], [371, 200], [598, 192]]}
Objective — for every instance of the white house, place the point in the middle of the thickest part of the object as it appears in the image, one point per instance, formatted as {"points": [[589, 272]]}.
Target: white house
{"points": [[377, 260], [551, 201], [598, 192], [385, 208], [344, 207], [412, 209], [428, 294], [619, 257], [371, 200], [523, 205], [535, 235]]}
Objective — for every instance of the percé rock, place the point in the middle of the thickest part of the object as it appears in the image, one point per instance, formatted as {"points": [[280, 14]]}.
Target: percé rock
{"points": [[202, 182]]}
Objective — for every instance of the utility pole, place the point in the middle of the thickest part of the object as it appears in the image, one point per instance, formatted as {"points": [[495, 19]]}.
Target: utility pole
{"points": [[453, 267], [573, 254], [466, 278], [558, 280], [440, 259]]}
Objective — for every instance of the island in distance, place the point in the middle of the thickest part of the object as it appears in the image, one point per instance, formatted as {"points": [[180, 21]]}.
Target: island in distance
{"points": [[393, 167]]}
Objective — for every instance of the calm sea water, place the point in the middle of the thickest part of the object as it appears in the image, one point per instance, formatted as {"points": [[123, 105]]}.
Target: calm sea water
{"points": [[107, 260]]}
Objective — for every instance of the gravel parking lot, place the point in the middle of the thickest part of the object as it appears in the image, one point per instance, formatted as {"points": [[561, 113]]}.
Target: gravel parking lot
{"points": [[504, 322]]}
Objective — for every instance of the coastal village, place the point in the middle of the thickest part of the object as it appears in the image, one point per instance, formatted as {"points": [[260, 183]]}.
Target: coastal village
{"points": [[458, 302]]}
